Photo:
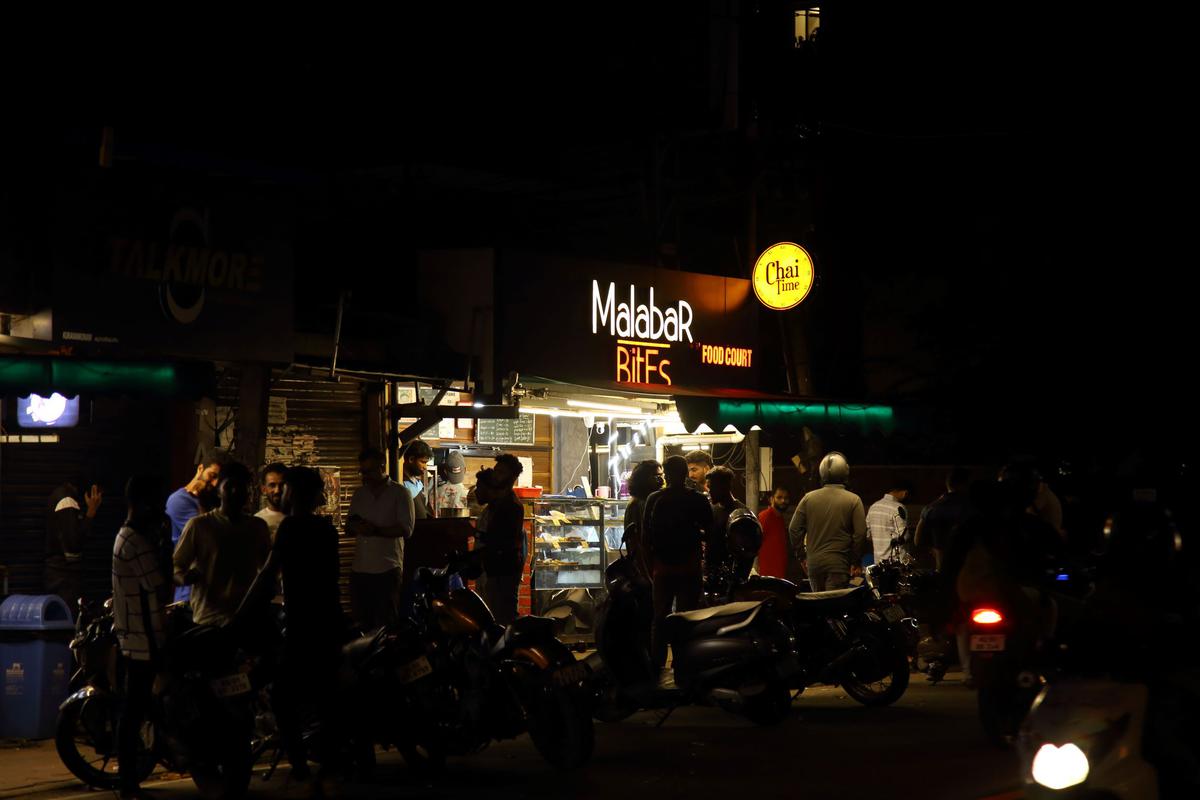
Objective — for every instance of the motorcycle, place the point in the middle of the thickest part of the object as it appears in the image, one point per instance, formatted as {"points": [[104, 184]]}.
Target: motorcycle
{"points": [[203, 720], [736, 656], [453, 681], [848, 637], [1012, 641], [930, 636]]}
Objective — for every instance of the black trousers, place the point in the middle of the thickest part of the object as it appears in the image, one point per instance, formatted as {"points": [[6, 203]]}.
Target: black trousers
{"points": [[679, 589], [500, 593], [375, 598], [139, 682]]}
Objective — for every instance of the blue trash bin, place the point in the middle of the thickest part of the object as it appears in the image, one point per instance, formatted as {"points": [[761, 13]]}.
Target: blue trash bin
{"points": [[35, 657]]}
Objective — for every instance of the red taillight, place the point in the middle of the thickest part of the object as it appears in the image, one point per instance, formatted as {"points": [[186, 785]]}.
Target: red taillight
{"points": [[987, 616]]}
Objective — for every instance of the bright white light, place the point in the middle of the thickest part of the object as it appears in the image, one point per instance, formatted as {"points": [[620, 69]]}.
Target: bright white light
{"points": [[1060, 767], [703, 428], [604, 406], [479, 405], [47, 409]]}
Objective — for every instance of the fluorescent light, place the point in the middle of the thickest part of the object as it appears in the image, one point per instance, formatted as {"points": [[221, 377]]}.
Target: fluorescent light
{"points": [[605, 406]]}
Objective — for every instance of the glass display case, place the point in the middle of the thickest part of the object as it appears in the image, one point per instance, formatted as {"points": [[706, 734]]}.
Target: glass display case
{"points": [[574, 540], [569, 543]]}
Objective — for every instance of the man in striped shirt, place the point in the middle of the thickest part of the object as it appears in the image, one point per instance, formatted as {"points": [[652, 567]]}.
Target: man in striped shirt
{"points": [[140, 586], [887, 521]]}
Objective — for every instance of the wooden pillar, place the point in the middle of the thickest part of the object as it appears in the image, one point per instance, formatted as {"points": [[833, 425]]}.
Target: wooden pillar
{"points": [[753, 470], [250, 448]]}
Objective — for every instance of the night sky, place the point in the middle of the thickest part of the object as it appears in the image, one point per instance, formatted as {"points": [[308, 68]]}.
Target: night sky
{"points": [[994, 196]]}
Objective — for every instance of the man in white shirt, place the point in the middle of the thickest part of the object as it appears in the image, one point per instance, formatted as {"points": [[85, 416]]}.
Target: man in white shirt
{"points": [[140, 587], [272, 492], [381, 518], [887, 521]]}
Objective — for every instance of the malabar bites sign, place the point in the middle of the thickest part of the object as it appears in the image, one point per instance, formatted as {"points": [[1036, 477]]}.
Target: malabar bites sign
{"points": [[601, 324]]}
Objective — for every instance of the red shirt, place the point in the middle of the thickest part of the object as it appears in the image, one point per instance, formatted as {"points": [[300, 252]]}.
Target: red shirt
{"points": [[773, 557]]}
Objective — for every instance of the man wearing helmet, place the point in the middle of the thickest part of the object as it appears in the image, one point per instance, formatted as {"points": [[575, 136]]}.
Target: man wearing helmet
{"points": [[829, 529]]}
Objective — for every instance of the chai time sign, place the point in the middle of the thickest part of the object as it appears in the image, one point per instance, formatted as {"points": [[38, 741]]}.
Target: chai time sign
{"points": [[783, 276]]}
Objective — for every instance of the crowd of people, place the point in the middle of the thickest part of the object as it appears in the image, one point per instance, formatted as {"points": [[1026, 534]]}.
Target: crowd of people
{"points": [[204, 545]]}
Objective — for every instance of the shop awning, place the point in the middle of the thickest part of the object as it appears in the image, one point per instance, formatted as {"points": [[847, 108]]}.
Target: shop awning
{"points": [[22, 375], [782, 413]]}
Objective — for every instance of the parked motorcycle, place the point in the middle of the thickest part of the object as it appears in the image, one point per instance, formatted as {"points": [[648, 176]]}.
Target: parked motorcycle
{"points": [[453, 681], [203, 720], [737, 656], [848, 637], [931, 642]]}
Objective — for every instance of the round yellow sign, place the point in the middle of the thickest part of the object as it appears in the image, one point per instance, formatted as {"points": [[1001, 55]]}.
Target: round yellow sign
{"points": [[783, 276]]}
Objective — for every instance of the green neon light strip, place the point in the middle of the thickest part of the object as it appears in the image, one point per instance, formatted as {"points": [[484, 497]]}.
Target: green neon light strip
{"points": [[29, 374], [744, 413]]}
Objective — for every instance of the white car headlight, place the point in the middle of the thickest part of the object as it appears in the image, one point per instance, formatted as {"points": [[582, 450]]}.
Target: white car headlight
{"points": [[1060, 767]]}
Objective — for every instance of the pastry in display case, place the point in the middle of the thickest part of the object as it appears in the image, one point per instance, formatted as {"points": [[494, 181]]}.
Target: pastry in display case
{"points": [[575, 539]]}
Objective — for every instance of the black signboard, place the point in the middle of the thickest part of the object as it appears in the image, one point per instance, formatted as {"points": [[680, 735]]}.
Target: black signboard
{"points": [[178, 266], [610, 325], [505, 431]]}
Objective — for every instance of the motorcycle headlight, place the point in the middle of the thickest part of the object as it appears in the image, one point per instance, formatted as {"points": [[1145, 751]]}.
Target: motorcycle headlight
{"points": [[1060, 767]]}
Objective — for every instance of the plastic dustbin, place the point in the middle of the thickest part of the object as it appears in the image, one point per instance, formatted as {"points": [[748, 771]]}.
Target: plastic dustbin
{"points": [[35, 658]]}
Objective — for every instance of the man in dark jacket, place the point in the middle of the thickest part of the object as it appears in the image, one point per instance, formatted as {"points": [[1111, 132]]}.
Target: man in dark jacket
{"points": [[500, 531], [67, 527], [677, 519]]}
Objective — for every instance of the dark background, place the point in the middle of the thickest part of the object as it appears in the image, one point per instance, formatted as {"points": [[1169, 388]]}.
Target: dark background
{"points": [[996, 196]]}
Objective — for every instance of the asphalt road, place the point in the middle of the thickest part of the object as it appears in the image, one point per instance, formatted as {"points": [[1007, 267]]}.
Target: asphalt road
{"points": [[926, 746]]}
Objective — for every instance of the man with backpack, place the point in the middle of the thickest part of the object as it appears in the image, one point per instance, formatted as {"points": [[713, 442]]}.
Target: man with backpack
{"points": [[677, 520]]}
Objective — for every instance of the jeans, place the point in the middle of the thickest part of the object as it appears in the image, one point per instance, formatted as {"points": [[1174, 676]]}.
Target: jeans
{"points": [[682, 589]]}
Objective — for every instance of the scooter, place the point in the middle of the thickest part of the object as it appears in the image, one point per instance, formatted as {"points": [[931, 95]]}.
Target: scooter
{"points": [[737, 656]]}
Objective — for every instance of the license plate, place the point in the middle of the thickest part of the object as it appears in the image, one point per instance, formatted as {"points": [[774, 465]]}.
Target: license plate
{"points": [[893, 614], [231, 685], [414, 670], [987, 642]]}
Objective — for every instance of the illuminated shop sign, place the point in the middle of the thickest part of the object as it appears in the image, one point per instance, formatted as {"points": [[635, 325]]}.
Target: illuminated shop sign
{"points": [[645, 360], [783, 276], [634, 328]]}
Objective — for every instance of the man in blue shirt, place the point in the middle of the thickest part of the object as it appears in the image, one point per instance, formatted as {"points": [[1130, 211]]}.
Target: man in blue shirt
{"points": [[416, 463], [184, 503]]}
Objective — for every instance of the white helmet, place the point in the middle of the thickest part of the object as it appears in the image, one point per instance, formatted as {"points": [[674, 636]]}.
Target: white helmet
{"points": [[834, 469]]}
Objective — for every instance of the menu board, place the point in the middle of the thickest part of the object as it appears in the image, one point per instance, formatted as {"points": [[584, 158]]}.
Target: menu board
{"points": [[505, 431]]}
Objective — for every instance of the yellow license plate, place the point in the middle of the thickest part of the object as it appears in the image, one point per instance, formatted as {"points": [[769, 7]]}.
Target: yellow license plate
{"points": [[231, 685], [414, 670]]}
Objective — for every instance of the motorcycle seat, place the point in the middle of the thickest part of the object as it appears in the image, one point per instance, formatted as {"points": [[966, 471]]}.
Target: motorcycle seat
{"points": [[836, 601], [357, 651], [711, 621], [527, 628]]}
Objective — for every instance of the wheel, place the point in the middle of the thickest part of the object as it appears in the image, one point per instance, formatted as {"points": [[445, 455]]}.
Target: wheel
{"points": [[86, 739], [561, 728], [227, 777], [771, 706], [1001, 712], [885, 691], [612, 706]]}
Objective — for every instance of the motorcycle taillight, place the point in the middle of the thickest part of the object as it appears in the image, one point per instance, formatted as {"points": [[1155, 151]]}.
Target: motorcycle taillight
{"points": [[986, 616]]}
